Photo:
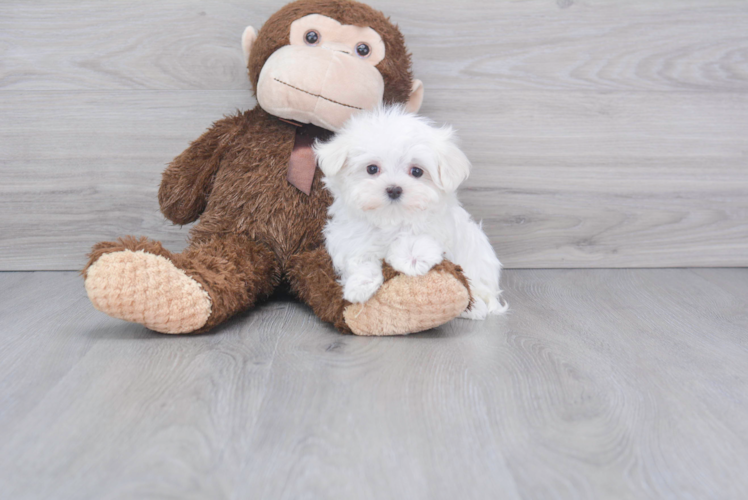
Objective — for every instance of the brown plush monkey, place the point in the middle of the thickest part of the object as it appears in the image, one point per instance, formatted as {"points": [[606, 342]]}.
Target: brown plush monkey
{"points": [[251, 181]]}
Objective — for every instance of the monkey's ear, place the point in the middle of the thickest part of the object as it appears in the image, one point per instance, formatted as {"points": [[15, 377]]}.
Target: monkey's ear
{"points": [[248, 39], [331, 155], [416, 97]]}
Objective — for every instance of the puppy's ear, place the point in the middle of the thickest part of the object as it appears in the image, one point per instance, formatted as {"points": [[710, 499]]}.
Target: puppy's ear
{"points": [[454, 166], [331, 155]]}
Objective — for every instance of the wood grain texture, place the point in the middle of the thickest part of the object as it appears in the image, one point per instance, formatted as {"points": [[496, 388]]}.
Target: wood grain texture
{"points": [[598, 384], [558, 184], [648, 45], [604, 133]]}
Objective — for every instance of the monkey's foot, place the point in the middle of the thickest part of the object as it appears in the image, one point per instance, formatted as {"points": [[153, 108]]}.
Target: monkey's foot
{"points": [[409, 304], [147, 289]]}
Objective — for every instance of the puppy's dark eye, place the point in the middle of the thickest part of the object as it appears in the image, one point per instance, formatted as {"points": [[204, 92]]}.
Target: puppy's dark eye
{"points": [[416, 172], [311, 37], [363, 50], [372, 169]]}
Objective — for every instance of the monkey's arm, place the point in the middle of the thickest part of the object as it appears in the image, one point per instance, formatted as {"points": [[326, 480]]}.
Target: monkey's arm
{"points": [[188, 180]]}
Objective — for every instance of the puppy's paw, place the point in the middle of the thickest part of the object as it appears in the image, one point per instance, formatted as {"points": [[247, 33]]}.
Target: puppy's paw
{"points": [[415, 256], [478, 312], [360, 287], [484, 303]]}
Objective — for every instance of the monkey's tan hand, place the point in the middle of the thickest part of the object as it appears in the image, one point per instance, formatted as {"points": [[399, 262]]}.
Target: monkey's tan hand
{"points": [[410, 304]]}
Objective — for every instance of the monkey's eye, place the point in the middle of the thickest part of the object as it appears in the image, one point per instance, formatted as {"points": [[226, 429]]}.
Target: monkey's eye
{"points": [[416, 172], [363, 50], [372, 170], [311, 37]]}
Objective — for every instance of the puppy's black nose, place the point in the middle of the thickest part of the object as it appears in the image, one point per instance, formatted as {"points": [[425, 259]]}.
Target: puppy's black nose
{"points": [[394, 192]]}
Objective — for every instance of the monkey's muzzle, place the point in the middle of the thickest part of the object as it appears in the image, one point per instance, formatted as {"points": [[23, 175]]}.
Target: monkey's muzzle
{"points": [[318, 86]]}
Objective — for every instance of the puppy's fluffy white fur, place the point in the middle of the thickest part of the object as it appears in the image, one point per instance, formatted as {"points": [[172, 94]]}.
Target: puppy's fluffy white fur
{"points": [[385, 150]]}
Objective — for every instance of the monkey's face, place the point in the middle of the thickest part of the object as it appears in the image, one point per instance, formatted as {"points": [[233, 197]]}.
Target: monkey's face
{"points": [[326, 73], [318, 70]]}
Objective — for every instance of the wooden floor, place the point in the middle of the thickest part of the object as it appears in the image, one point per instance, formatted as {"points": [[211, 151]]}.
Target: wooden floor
{"points": [[598, 384]]}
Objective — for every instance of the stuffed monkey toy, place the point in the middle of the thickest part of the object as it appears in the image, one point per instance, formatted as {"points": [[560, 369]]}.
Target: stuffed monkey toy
{"points": [[251, 182]]}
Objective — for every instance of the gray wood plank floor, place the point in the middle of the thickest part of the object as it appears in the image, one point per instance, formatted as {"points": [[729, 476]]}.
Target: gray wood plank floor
{"points": [[604, 133], [598, 384]]}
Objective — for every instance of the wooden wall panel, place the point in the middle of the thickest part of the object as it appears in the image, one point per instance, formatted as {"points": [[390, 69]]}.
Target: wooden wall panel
{"points": [[603, 133]]}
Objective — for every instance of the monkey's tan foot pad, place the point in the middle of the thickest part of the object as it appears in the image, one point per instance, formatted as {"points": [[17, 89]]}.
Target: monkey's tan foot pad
{"points": [[147, 289], [409, 304]]}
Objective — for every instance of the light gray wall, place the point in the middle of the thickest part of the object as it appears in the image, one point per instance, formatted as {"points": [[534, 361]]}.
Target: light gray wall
{"points": [[603, 133]]}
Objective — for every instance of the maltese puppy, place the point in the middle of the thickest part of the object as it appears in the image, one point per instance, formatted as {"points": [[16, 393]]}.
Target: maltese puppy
{"points": [[393, 176]]}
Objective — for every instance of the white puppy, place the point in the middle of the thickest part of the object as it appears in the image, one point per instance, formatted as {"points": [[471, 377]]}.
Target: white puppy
{"points": [[393, 176]]}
